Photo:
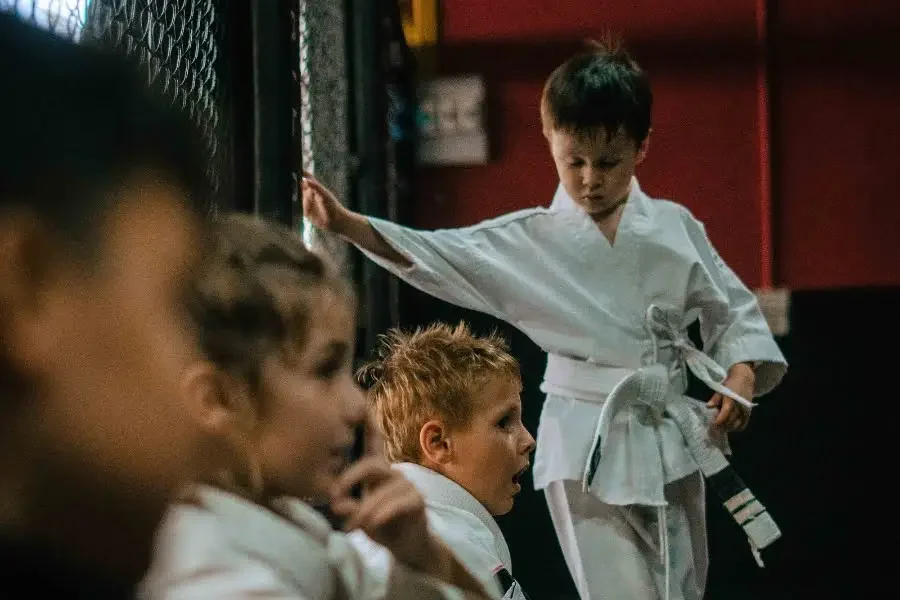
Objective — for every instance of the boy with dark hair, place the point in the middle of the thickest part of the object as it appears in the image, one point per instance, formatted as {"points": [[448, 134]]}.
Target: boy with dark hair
{"points": [[99, 229], [607, 281]]}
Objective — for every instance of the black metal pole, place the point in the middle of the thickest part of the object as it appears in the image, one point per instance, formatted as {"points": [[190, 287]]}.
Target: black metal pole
{"points": [[275, 56], [401, 143], [369, 182], [234, 67]]}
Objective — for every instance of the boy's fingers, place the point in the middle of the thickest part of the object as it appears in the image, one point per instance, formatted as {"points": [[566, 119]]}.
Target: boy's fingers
{"points": [[344, 506], [308, 191], [389, 511], [359, 518], [369, 471], [715, 401], [318, 187], [732, 422], [742, 418], [724, 412], [372, 503]]}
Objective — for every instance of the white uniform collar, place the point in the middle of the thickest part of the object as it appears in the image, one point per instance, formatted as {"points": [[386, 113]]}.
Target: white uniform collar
{"points": [[301, 545], [438, 489]]}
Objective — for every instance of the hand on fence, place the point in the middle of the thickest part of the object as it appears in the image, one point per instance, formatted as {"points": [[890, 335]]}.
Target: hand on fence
{"points": [[320, 206]]}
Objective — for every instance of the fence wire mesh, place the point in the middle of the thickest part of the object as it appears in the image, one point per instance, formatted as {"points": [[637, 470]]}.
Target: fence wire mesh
{"points": [[63, 17], [323, 109], [177, 41]]}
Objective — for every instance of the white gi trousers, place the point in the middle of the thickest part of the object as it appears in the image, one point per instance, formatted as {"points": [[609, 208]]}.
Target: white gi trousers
{"points": [[613, 552]]}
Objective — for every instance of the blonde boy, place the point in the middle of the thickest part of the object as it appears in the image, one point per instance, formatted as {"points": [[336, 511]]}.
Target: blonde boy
{"points": [[447, 403]]}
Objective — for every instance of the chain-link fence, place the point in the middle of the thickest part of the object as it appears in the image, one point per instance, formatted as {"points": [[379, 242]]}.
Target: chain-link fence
{"points": [[63, 17], [188, 50], [323, 109], [177, 41]]}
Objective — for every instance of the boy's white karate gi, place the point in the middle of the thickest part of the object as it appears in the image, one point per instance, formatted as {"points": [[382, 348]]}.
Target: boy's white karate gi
{"points": [[621, 453], [463, 523], [224, 547]]}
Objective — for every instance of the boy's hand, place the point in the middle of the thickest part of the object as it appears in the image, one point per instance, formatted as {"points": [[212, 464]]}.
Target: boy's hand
{"points": [[320, 205], [325, 212], [734, 416], [391, 512]]}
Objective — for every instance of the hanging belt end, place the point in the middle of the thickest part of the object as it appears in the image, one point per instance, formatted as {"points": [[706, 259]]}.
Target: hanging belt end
{"points": [[762, 532], [757, 555]]}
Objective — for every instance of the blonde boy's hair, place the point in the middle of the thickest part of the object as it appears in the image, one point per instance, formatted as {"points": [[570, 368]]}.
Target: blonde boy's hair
{"points": [[432, 373]]}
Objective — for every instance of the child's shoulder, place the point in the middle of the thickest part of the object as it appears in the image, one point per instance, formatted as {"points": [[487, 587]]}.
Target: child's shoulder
{"points": [[669, 213], [524, 217], [671, 209], [518, 225]]}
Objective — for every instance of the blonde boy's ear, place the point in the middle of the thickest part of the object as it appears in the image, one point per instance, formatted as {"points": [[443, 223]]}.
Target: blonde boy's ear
{"points": [[434, 443]]}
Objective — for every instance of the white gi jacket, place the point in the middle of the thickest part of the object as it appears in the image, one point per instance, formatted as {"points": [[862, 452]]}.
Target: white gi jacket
{"points": [[612, 318], [224, 547], [464, 525]]}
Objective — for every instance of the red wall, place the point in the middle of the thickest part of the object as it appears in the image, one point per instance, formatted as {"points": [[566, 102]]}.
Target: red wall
{"points": [[493, 19], [707, 148], [838, 127]]}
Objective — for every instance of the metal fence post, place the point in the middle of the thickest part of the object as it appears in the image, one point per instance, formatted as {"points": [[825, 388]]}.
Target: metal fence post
{"points": [[275, 59], [369, 141]]}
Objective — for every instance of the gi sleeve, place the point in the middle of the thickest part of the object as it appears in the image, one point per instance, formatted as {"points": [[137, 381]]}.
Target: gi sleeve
{"points": [[473, 267], [731, 324]]}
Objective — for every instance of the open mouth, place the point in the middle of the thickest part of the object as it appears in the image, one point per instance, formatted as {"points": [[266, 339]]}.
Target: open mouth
{"points": [[517, 478]]}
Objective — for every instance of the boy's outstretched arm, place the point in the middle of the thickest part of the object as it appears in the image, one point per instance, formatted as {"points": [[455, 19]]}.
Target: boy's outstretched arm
{"points": [[325, 212], [476, 267]]}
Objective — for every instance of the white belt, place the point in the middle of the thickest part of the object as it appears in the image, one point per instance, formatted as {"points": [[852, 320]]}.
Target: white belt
{"points": [[650, 387]]}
